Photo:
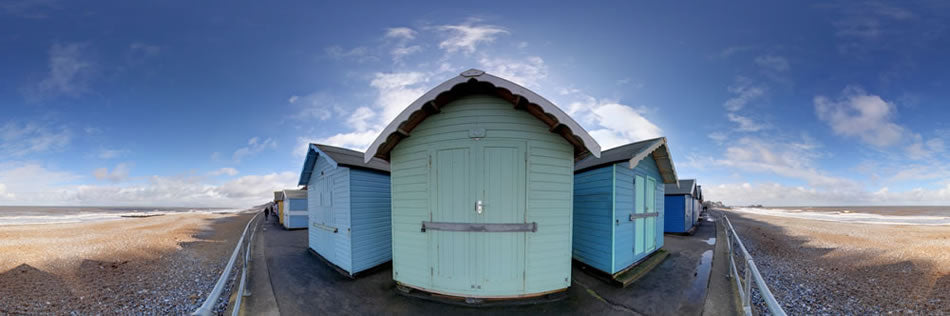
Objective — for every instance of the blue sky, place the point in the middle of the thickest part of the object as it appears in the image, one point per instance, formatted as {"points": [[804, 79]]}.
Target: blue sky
{"points": [[118, 103]]}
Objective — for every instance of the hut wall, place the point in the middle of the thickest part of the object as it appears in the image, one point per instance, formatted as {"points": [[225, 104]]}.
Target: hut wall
{"points": [[677, 214], [329, 206], [548, 184], [296, 213], [370, 215], [593, 214]]}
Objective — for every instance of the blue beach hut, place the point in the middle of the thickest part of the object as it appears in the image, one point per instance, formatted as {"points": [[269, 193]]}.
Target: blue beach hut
{"points": [[619, 206], [681, 212], [293, 207], [349, 204]]}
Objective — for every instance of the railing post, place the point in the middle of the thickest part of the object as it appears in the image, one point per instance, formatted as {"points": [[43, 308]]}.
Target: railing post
{"points": [[748, 284]]}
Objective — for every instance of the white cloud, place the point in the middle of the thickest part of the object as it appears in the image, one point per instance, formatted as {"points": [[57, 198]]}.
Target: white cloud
{"points": [[861, 115], [4, 195], [401, 33], [528, 72], [790, 159], [466, 37], [32, 184], [746, 124], [359, 54], [225, 171], [920, 149], [395, 92], [401, 36], [71, 71], [401, 52], [254, 145], [358, 140], [31, 177], [614, 124], [30, 9], [257, 188], [776, 63], [118, 174], [106, 153], [361, 118], [139, 52], [317, 105], [719, 137], [775, 194], [20, 139], [744, 91]]}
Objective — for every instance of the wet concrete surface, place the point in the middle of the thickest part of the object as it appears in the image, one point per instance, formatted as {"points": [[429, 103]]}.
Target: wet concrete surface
{"points": [[304, 285], [722, 296]]}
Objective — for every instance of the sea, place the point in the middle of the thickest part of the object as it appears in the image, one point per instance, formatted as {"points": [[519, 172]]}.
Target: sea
{"points": [[25, 215], [889, 215]]}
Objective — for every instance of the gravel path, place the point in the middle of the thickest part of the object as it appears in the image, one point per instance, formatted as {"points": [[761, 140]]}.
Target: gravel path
{"points": [[829, 268], [135, 271]]}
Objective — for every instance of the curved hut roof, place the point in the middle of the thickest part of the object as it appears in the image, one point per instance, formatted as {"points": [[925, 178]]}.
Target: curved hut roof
{"points": [[475, 81]]}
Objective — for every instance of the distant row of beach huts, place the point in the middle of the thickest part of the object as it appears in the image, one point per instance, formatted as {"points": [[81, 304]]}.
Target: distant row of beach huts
{"points": [[483, 189]]}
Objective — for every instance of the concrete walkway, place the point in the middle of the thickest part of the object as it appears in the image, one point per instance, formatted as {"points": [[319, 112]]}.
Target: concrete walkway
{"points": [[303, 285], [262, 300], [722, 298]]}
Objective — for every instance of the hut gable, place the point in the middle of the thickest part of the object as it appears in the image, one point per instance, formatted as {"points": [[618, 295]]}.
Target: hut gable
{"points": [[683, 187], [337, 156], [634, 153], [474, 82]]}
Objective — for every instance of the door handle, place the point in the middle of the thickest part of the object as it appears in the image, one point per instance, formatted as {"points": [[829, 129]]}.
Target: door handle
{"points": [[479, 207]]}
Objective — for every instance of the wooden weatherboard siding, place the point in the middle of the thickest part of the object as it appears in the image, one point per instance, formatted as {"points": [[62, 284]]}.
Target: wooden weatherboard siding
{"points": [[604, 236], [349, 216], [522, 171], [679, 215], [370, 221], [296, 213]]}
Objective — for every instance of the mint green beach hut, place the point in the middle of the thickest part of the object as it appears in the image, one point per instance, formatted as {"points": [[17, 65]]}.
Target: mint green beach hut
{"points": [[482, 189]]}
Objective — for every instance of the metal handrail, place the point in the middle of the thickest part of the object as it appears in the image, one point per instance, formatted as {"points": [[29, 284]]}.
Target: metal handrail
{"points": [[242, 289], [208, 306], [751, 273]]}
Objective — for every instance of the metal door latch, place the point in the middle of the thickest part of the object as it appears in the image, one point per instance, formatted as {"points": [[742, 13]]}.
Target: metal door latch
{"points": [[479, 207]]}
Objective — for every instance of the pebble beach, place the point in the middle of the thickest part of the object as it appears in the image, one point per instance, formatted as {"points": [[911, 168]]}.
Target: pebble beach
{"points": [[821, 267], [150, 265]]}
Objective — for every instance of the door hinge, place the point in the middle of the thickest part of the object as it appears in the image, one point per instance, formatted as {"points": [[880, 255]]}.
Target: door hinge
{"points": [[432, 271], [430, 161]]}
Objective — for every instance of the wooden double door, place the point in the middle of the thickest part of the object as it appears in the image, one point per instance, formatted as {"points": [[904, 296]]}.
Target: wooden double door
{"points": [[474, 186], [645, 215]]}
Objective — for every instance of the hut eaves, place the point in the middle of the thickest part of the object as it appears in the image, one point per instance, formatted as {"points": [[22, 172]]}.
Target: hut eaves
{"points": [[476, 81], [635, 152]]}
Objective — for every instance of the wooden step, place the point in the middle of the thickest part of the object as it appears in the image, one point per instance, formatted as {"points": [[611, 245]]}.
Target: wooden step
{"points": [[634, 273]]}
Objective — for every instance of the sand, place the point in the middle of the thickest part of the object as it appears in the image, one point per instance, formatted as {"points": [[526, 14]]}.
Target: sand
{"points": [[163, 264], [824, 267]]}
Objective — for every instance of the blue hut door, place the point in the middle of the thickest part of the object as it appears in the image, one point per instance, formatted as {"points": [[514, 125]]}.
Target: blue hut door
{"points": [[493, 173], [650, 201]]}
